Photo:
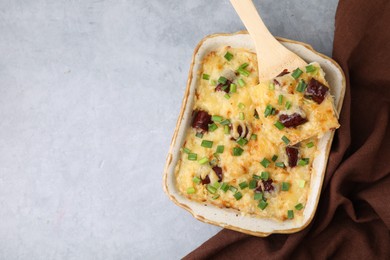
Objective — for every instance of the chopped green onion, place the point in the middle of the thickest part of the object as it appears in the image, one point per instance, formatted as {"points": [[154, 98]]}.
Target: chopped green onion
{"points": [[213, 82], [217, 119], [273, 111], [264, 175], [233, 189], [280, 164], [258, 196], [204, 160], [243, 185], [303, 161], [191, 190], [243, 72], [211, 188], [233, 88], [241, 82], [238, 195], [301, 183], [220, 149], [301, 86], [225, 122], [285, 186], [268, 110], [241, 115], [212, 127], [262, 205], [290, 214], [310, 68], [199, 135], [192, 156], [254, 137], [196, 179], [228, 56], [280, 99], [274, 158], [285, 139], [186, 150], [279, 125], [206, 76], [252, 184], [224, 187], [296, 73], [225, 87], [237, 151], [265, 162], [227, 96], [216, 184], [207, 143], [243, 66], [256, 177], [216, 196], [222, 80], [242, 141], [226, 129], [310, 145], [288, 105], [256, 115], [299, 206], [271, 86], [241, 106]]}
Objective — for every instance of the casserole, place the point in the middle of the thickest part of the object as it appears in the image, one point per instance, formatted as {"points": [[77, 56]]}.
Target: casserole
{"points": [[230, 218]]}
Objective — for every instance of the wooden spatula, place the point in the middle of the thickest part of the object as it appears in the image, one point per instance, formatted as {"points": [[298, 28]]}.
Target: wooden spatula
{"points": [[273, 57]]}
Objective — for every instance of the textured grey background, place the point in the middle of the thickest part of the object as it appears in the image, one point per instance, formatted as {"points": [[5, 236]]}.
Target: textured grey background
{"points": [[89, 96]]}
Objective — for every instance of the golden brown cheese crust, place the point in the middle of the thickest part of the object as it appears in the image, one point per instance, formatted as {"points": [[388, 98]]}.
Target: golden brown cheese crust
{"points": [[239, 108]]}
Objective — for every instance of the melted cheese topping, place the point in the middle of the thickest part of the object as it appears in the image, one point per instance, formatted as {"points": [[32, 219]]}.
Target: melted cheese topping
{"points": [[240, 169]]}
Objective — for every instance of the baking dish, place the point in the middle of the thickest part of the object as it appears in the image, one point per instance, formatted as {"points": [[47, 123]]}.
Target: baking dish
{"points": [[229, 218]]}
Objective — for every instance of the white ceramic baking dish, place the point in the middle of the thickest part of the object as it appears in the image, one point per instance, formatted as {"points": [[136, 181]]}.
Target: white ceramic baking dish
{"points": [[229, 218]]}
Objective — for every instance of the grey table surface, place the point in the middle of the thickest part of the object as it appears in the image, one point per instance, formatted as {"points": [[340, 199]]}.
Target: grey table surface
{"points": [[89, 96]]}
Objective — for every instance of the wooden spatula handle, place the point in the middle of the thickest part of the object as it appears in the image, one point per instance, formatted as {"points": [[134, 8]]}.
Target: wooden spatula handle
{"points": [[253, 23], [272, 56]]}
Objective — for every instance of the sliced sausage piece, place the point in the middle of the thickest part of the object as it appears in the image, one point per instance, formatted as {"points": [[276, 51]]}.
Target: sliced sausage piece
{"points": [[292, 154], [292, 120], [267, 185], [316, 91], [201, 121], [206, 180], [220, 86], [218, 172], [239, 130]]}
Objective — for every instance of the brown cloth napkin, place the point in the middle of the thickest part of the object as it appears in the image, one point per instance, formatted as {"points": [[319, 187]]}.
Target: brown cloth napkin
{"points": [[353, 216]]}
